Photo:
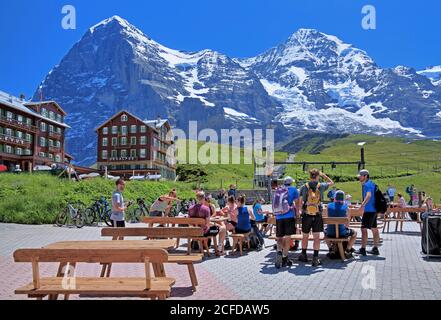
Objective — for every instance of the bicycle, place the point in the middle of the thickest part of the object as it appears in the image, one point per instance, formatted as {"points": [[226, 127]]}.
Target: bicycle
{"points": [[135, 215], [99, 210], [72, 213]]}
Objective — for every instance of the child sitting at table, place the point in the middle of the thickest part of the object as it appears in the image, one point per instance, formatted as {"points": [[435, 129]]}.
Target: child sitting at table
{"points": [[230, 212]]}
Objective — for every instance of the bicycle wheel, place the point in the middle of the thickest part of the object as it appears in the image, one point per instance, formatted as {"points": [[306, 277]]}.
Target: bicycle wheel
{"points": [[138, 215], [61, 219], [106, 218], [130, 214], [89, 216], [80, 219]]}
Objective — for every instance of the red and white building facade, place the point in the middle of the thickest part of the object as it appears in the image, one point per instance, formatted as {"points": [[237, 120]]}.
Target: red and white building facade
{"points": [[127, 145], [31, 133]]}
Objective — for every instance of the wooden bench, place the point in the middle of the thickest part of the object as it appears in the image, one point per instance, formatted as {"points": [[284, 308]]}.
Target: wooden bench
{"points": [[399, 216], [188, 259], [197, 222], [337, 240], [238, 240], [64, 283]]}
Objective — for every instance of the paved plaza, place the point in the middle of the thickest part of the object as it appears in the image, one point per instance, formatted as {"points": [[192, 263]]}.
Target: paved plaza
{"points": [[401, 272]]}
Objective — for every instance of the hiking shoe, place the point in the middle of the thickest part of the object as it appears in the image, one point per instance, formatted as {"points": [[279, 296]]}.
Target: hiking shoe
{"points": [[286, 262], [279, 260], [259, 248], [374, 251], [275, 247], [316, 261], [227, 246], [352, 250], [362, 252], [348, 255], [303, 257]]}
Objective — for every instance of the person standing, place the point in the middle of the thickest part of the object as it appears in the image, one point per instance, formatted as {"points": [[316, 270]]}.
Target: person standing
{"points": [[232, 192], [222, 199], [312, 196], [118, 205], [285, 220], [391, 193], [369, 212]]}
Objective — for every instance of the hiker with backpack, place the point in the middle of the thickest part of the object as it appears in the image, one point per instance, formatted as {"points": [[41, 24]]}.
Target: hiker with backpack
{"points": [[311, 194], [370, 207], [245, 219], [284, 208]]}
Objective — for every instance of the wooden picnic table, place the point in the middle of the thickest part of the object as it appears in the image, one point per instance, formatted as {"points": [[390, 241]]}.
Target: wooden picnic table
{"points": [[104, 244], [218, 219]]}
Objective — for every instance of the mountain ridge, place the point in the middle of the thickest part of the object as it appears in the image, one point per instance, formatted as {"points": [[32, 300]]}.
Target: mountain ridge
{"points": [[311, 81]]}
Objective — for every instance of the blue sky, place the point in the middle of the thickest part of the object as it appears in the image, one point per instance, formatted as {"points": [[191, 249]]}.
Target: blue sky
{"points": [[408, 32]]}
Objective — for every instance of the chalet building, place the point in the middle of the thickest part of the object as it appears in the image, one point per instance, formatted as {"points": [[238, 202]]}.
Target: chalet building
{"points": [[127, 144], [31, 133]]}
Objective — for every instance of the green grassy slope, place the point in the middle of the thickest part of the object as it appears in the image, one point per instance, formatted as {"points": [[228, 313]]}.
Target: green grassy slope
{"points": [[395, 160], [37, 198]]}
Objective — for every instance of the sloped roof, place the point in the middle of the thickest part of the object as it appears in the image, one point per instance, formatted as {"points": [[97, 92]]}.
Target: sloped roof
{"points": [[20, 105]]}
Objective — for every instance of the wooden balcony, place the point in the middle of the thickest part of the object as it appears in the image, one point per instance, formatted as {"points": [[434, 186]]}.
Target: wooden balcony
{"points": [[4, 121], [55, 135], [54, 149], [14, 141]]}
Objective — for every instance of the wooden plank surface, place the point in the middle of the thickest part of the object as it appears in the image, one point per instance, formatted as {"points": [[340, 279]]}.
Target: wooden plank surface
{"points": [[103, 244], [100, 286], [174, 232], [84, 254]]}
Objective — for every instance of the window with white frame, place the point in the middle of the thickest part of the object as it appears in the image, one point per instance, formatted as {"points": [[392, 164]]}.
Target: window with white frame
{"points": [[124, 130], [8, 149], [133, 128], [133, 141], [133, 153], [104, 154], [114, 142], [123, 141], [105, 130], [43, 126], [105, 142], [142, 153], [143, 140], [114, 154], [123, 153], [124, 118], [42, 142], [143, 129], [114, 129]]}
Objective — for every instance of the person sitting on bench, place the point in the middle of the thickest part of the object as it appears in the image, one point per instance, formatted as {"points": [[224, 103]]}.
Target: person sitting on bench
{"points": [[339, 209]]}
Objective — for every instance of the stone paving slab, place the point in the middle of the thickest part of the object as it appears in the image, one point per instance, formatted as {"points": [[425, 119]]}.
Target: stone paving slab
{"points": [[401, 272]]}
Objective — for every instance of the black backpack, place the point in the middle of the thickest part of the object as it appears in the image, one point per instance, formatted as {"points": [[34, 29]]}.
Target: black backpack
{"points": [[380, 201], [254, 241]]}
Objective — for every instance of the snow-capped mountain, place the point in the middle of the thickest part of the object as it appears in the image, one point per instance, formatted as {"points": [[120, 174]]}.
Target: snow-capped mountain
{"points": [[433, 73], [312, 81]]}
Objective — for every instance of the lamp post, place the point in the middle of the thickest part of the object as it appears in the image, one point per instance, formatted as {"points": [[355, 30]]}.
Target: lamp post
{"points": [[362, 159]]}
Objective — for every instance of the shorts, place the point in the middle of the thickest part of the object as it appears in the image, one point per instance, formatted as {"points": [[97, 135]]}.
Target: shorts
{"points": [[239, 231], [369, 220], [285, 227], [349, 233], [233, 223], [118, 224], [314, 223], [156, 214], [213, 231]]}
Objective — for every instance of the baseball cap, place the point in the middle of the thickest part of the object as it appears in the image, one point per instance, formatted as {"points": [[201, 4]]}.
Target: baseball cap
{"points": [[340, 196], [363, 172], [289, 180]]}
